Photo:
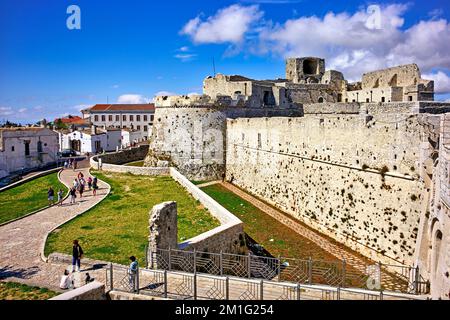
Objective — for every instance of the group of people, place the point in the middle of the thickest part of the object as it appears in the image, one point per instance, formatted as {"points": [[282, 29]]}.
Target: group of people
{"points": [[71, 163], [67, 279], [80, 184], [51, 196]]}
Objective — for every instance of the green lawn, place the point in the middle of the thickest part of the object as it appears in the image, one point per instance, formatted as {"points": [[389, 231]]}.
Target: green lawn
{"points": [[17, 291], [275, 237], [118, 227], [136, 164], [28, 197]]}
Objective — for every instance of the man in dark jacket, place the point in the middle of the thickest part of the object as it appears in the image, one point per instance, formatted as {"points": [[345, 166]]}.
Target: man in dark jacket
{"points": [[77, 253]]}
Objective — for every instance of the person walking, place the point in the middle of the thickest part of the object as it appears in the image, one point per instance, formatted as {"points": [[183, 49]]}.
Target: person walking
{"points": [[50, 196], [73, 195], [81, 189], [74, 164], [89, 183], [94, 186], [77, 254], [132, 273], [60, 197], [75, 183]]}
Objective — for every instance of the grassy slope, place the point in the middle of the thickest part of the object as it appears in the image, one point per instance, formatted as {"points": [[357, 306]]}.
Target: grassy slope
{"points": [[263, 228], [16, 291], [27, 197], [136, 164], [118, 227]]}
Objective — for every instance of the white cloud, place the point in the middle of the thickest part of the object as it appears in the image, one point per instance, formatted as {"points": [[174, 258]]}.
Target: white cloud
{"points": [[22, 110], [132, 99], [185, 57], [184, 49], [353, 43], [228, 25], [6, 111], [441, 81], [116, 86]]}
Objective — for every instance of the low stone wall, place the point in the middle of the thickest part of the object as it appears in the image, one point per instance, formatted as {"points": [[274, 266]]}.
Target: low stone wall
{"points": [[229, 237], [124, 156], [92, 291], [112, 162], [119, 295]]}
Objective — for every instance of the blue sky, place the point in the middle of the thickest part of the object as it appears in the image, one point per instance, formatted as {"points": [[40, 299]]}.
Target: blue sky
{"points": [[131, 50]]}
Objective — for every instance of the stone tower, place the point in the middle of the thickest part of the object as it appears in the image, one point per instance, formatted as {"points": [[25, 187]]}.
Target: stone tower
{"points": [[305, 70]]}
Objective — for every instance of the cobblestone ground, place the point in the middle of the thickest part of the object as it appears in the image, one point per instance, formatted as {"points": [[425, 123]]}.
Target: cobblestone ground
{"points": [[359, 263], [22, 241]]}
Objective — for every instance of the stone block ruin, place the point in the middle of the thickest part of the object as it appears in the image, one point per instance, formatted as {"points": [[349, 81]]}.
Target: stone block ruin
{"points": [[365, 163]]}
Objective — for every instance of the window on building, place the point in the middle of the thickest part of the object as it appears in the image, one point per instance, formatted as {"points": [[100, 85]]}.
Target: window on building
{"points": [[383, 99], [27, 148], [103, 118], [110, 118], [12, 149], [367, 100], [410, 98], [145, 128], [138, 127], [96, 118], [124, 117], [138, 118], [320, 100], [131, 118], [151, 118], [145, 118], [117, 118]]}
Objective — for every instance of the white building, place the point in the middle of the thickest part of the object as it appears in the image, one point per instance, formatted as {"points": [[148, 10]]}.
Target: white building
{"points": [[94, 140], [27, 148], [124, 116], [132, 136]]}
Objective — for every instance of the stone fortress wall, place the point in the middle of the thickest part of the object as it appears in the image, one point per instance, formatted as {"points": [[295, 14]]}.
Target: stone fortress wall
{"points": [[354, 177], [361, 162]]}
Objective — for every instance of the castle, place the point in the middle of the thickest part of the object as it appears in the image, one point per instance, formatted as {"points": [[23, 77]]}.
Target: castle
{"points": [[365, 163]]}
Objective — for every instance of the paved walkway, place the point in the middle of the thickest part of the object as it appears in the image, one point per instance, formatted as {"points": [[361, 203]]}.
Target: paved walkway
{"points": [[22, 241], [352, 259]]}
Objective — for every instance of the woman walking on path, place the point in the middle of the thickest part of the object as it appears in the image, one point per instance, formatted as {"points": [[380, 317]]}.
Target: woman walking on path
{"points": [[94, 186], [89, 183], [81, 190], [50, 196], [73, 195], [77, 254]]}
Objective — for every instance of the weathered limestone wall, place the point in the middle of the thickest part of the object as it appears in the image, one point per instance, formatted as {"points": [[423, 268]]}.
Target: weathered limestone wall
{"points": [[353, 177], [125, 156], [163, 226], [192, 139], [92, 291], [228, 237]]}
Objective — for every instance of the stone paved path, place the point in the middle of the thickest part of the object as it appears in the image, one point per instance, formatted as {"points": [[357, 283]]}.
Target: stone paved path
{"points": [[22, 241], [352, 259]]}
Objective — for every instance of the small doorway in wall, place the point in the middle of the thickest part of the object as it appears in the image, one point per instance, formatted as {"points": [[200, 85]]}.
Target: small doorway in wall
{"points": [[97, 146], [383, 99], [436, 251], [320, 100], [76, 145]]}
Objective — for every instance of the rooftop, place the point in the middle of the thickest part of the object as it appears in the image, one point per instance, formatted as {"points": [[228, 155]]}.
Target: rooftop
{"points": [[123, 107]]}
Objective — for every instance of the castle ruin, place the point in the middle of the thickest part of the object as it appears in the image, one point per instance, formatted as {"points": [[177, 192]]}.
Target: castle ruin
{"points": [[365, 163]]}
